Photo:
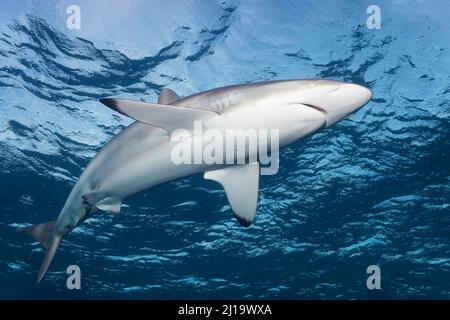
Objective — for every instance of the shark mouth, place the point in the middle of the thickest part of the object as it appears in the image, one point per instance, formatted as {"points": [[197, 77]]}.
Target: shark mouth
{"points": [[321, 110]]}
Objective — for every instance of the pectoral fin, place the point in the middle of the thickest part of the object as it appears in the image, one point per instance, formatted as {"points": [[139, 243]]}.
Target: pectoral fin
{"points": [[241, 184], [163, 116]]}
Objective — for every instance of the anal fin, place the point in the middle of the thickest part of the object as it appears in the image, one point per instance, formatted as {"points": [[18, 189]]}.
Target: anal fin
{"points": [[110, 205]]}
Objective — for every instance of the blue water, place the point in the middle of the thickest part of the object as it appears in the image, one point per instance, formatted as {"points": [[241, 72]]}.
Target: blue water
{"points": [[373, 189]]}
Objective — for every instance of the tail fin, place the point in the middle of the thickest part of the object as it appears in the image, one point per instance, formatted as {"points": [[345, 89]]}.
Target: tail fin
{"points": [[41, 232], [44, 234], [51, 250]]}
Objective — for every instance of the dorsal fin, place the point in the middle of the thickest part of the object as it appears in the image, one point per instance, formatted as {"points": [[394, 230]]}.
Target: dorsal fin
{"points": [[167, 96], [163, 116]]}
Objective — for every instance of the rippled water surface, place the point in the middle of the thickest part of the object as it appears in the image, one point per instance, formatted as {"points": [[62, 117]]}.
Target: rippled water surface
{"points": [[373, 189]]}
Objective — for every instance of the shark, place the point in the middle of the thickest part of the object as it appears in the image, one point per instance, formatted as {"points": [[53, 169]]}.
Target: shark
{"points": [[139, 157]]}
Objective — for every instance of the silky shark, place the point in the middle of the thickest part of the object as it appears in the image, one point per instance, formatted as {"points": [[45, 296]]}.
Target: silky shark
{"points": [[138, 158]]}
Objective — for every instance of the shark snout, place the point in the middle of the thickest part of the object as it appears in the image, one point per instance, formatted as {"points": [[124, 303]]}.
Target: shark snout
{"points": [[344, 101], [356, 95], [338, 100]]}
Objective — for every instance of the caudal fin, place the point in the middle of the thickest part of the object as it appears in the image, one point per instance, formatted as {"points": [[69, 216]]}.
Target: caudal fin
{"points": [[44, 234], [41, 232], [49, 254]]}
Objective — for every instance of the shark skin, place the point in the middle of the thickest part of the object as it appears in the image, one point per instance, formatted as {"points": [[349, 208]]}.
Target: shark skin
{"points": [[139, 157]]}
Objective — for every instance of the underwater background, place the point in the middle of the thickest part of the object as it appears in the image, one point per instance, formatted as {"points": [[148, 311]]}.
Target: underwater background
{"points": [[372, 189]]}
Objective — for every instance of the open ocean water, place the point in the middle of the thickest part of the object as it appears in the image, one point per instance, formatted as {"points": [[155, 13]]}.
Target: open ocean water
{"points": [[373, 189]]}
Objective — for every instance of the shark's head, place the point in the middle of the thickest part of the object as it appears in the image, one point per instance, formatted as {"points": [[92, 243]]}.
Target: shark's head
{"points": [[335, 99]]}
